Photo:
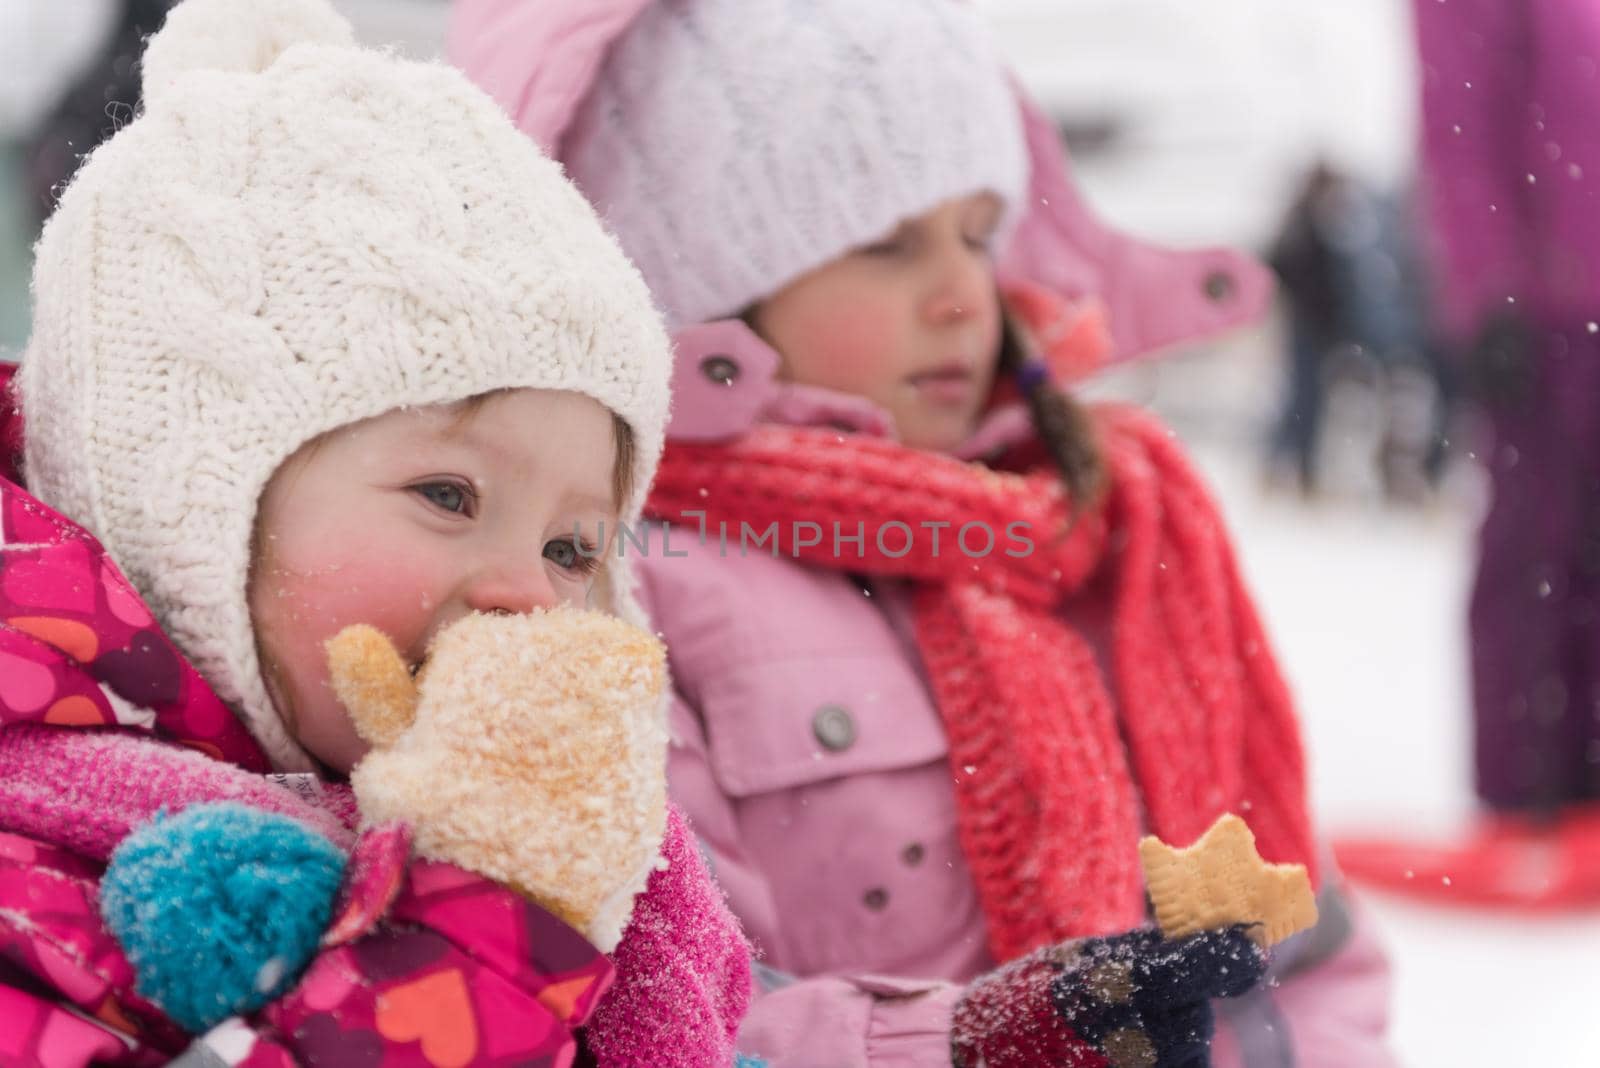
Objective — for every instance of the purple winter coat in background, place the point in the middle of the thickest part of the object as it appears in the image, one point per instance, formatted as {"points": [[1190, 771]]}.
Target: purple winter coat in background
{"points": [[1510, 166]]}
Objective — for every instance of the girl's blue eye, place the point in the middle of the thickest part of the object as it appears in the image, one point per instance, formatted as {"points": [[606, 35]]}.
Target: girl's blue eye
{"points": [[570, 556], [561, 553], [451, 497]]}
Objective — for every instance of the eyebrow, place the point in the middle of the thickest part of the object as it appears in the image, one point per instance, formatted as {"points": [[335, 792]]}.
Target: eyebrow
{"points": [[463, 413]]}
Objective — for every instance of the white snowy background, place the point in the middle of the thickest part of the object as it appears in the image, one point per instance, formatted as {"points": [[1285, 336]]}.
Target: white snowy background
{"points": [[1202, 113]]}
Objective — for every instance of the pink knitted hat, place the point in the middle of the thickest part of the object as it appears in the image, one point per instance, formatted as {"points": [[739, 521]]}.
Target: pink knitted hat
{"points": [[887, 109]]}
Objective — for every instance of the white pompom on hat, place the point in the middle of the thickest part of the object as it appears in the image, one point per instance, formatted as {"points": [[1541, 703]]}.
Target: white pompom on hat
{"points": [[238, 37], [733, 145], [298, 234]]}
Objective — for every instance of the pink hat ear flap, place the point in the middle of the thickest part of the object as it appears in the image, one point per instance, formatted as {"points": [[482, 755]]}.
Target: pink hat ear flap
{"points": [[1153, 296], [723, 375], [538, 60]]}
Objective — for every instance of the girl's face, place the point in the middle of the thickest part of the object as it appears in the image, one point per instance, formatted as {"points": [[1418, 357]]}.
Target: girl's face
{"points": [[414, 519], [911, 322]]}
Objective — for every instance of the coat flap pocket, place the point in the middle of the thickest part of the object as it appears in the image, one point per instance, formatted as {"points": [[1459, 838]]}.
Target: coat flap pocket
{"points": [[783, 723]]}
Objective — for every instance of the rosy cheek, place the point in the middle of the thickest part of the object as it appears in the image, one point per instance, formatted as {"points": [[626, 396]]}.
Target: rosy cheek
{"points": [[396, 591], [847, 348]]}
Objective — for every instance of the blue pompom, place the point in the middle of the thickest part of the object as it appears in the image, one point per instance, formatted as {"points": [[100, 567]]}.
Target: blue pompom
{"points": [[220, 907]]}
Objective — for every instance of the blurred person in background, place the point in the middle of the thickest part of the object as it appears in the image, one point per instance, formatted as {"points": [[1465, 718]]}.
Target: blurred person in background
{"points": [[1511, 155], [1345, 255]]}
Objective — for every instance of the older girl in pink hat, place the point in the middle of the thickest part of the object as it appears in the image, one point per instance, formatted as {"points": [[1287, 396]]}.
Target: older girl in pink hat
{"points": [[944, 642]]}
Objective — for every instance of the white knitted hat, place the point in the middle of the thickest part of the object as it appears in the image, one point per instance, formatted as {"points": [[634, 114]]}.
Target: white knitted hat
{"points": [[733, 145], [298, 234]]}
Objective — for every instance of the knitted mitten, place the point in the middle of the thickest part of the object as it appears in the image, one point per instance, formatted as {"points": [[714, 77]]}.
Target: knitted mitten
{"points": [[530, 749], [1129, 999]]}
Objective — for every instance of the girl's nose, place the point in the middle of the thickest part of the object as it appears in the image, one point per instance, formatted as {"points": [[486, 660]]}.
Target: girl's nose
{"points": [[963, 283]]}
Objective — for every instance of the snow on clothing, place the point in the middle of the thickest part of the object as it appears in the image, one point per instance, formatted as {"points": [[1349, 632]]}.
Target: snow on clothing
{"points": [[1511, 158], [93, 697]]}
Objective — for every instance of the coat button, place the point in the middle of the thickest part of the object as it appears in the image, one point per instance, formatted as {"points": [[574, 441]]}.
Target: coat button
{"points": [[834, 728], [1218, 286], [876, 899], [720, 369], [913, 854]]}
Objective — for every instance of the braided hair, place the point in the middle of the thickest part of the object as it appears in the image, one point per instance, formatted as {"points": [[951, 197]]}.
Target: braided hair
{"points": [[1062, 423]]}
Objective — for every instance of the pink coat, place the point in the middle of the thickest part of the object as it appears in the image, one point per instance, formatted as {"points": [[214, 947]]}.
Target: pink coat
{"points": [[813, 762]]}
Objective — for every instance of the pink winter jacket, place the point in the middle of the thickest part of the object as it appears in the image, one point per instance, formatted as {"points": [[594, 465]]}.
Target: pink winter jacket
{"points": [[103, 723], [809, 753]]}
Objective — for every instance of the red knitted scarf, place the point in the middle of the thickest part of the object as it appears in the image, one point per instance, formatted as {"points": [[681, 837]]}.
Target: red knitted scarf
{"points": [[1050, 769]]}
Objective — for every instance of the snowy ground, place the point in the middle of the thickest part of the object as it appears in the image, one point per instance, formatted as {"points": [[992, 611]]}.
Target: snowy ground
{"points": [[1367, 608]]}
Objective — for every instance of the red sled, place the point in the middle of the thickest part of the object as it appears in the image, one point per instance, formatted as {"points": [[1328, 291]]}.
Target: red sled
{"points": [[1517, 862]]}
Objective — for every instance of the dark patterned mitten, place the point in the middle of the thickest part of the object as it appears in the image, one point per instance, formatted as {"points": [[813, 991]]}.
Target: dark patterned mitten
{"points": [[1133, 1000]]}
